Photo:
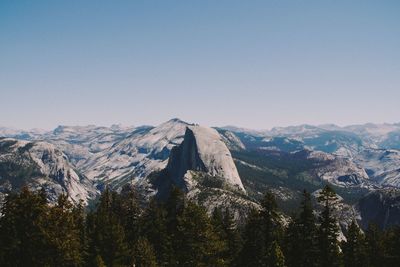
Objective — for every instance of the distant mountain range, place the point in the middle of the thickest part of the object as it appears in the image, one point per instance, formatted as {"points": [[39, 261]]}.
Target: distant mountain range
{"points": [[221, 166]]}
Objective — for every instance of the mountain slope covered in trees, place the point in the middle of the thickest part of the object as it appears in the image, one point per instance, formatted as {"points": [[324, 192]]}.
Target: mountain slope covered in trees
{"points": [[119, 231]]}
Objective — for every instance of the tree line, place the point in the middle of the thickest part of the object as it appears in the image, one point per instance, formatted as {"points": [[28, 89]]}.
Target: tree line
{"points": [[120, 231]]}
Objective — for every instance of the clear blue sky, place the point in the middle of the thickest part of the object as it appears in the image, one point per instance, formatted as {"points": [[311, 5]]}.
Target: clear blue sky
{"points": [[255, 64]]}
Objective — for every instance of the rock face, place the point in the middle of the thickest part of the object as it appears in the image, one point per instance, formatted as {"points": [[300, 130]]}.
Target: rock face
{"points": [[203, 167], [339, 171], [344, 212], [381, 207], [40, 164], [80, 143], [382, 165], [203, 150], [232, 141]]}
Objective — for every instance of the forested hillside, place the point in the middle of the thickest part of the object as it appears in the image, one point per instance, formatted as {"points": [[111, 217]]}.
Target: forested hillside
{"points": [[122, 231]]}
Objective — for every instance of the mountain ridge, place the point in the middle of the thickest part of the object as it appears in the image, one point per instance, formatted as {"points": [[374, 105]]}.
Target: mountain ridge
{"points": [[354, 159]]}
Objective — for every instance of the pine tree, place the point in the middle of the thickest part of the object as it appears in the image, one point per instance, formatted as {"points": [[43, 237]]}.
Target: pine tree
{"points": [[130, 212], [217, 220], [79, 217], [106, 233], [262, 229], [354, 254], [99, 262], [144, 254], [63, 234], [328, 230], [271, 225], [276, 257], [270, 219], [174, 206], [392, 246], [198, 245], [226, 229], [375, 246], [22, 239], [253, 250], [292, 246], [252, 253], [233, 238], [154, 228], [301, 236], [308, 231]]}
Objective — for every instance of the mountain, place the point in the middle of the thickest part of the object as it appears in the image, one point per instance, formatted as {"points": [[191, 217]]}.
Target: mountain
{"points": [[228, 166], [143, 151], [203, 150], [337, 170], [295, 131], [203, 167], [379, 135], [232, 141], [382, 165], [331, 141], [40, 164], [287, 174], [21, 134], [331, 138], [81, 143]]}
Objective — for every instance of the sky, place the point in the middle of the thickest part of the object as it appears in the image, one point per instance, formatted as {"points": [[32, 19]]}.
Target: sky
{"points": [[254, 64]]}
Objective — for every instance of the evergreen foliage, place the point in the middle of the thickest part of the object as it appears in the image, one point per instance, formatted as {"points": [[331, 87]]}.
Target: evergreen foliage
{"points": [[328, 230], [354, 253], [144, 254], [276, 257], [120, 231], [301, 236], [262, 234]]}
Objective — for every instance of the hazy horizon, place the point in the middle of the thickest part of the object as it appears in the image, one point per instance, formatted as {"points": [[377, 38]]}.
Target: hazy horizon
{"points": [[257, 64], [188, 121]]}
